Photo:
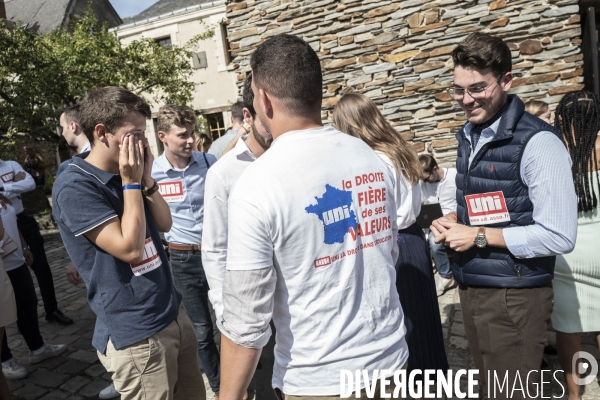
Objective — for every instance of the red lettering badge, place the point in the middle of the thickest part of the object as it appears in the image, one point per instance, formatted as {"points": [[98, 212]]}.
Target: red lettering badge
{"points": [[487, 208], [8, 177], [172, 191]]}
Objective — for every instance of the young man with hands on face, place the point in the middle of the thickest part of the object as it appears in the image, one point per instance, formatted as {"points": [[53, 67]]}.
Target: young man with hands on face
{"points": [[110, 213]]}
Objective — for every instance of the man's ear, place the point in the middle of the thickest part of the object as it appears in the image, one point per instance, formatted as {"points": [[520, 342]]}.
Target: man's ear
{"points": [[75, 128], [100, 133], [264, 100], [162, 136], [507, 81], [247, 116]]}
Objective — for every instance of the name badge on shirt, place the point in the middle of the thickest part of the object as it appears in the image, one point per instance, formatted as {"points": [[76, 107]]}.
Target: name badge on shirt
{"points": [[151, 259], [8, 177], [487, 208], [172, 192]]}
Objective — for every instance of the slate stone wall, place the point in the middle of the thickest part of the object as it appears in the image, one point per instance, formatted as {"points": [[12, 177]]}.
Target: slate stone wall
{"points": [[398, 52]]}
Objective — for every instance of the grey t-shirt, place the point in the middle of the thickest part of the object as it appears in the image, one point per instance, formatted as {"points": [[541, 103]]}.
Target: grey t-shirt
{"points": [[219, 145], [131, 301]]}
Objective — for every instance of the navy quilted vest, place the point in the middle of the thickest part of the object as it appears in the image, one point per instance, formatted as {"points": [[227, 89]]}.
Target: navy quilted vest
{"points": [[497, 168]]}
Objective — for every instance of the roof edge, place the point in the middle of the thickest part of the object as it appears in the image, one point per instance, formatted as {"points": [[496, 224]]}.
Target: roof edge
{"points": [[169, 14]]}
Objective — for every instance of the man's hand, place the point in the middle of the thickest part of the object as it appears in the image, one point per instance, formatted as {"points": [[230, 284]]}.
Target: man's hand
{"points": [[4, 201], [456, 236], [28, 257], [72, 275], [19, 176], [131, 160], [147, 180]]}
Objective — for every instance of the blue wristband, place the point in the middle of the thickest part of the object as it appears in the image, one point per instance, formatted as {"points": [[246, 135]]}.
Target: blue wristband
{"points": [[134, 186]]}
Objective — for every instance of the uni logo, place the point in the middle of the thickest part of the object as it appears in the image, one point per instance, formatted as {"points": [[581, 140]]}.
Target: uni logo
{"points": [[323, 261], [170, 188], [487, 208], [483, 203], [8, 177], [335, 215]]}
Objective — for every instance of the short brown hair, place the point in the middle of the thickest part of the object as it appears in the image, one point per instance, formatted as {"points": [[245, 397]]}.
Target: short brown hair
{"points": [[428, 163], [237, 111], [289, 69], [173, 114], [110, 106], [71, 113], [482, 51]]}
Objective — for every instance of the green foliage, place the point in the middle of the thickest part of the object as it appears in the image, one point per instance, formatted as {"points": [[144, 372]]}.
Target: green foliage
{"points": [[40, 75]]}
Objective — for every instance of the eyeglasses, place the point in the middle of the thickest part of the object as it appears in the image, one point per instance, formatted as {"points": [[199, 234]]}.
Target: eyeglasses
{"points": [[426, 179], [476, 92]]}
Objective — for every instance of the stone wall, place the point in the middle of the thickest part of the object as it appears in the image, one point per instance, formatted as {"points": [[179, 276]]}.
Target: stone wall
{"points": [[398, 52]]}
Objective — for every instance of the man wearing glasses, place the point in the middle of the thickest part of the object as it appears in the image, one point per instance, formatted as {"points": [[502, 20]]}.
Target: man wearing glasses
{"points": [[516, 211]]}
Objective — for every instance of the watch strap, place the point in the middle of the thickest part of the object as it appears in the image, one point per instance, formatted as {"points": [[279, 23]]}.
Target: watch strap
{"points": [[150, 191]]}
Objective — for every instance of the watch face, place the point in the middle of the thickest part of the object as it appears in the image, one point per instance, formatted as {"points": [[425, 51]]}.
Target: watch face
{"points": [[480, 241]]}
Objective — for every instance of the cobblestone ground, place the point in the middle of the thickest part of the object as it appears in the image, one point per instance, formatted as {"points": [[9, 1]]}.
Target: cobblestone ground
{"points": [[78, 374]]}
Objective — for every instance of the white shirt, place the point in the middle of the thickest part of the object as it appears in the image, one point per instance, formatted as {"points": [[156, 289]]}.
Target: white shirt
{"points": [[406, 195], [12, 190], [220, 180], [296, 254], [9, 219], [86, 147], [546, 170], [442, 192]]}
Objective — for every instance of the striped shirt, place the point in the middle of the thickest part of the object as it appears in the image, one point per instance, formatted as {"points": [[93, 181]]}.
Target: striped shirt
{"points": [[546, 170]]}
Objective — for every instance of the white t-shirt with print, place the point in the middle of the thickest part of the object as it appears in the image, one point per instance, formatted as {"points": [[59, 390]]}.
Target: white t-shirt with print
{"points": [[407, 196], [443, 192], [319, 207]]}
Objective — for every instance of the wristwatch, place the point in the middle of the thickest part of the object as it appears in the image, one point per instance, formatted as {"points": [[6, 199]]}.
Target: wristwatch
{"points": [[25, 247], [480, 240]]}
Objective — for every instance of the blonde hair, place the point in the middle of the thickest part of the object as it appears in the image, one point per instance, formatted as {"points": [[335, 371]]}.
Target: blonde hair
{"points": [[173, 114], [357, 115], [536, 107], [202, 140]]}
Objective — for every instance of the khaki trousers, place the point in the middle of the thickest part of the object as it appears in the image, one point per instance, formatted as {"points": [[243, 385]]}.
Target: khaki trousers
{"points": [[162, 367], [506, 330]]}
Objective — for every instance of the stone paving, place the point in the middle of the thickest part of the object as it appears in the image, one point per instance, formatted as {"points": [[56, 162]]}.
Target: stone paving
{"points": [[77, 374]]}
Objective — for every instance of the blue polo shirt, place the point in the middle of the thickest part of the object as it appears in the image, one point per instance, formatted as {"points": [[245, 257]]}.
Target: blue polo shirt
{"points": [[183, 190], [131, 301]]}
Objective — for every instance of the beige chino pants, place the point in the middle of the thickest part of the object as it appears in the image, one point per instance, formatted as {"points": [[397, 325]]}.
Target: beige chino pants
{"points": [[162, 367]]}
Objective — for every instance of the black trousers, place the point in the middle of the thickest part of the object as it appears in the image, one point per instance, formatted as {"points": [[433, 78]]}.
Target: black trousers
{"points": [[31, 232], [26, 300]]}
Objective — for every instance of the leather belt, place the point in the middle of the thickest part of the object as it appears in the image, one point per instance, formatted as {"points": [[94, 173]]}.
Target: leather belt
{"points": [[185, 247]]}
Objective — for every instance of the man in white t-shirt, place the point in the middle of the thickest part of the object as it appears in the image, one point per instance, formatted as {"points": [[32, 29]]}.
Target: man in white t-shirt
{"points": [[438, 185], [311, 243], [220, 181]]}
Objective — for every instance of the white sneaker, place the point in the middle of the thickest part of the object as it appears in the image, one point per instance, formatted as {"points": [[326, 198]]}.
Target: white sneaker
{"points": [[13, 370], [443, 284], [109, 392], [46, 351]]}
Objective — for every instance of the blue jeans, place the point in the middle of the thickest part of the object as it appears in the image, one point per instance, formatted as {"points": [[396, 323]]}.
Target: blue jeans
{"points": [[190, 280], [440, 257]]}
